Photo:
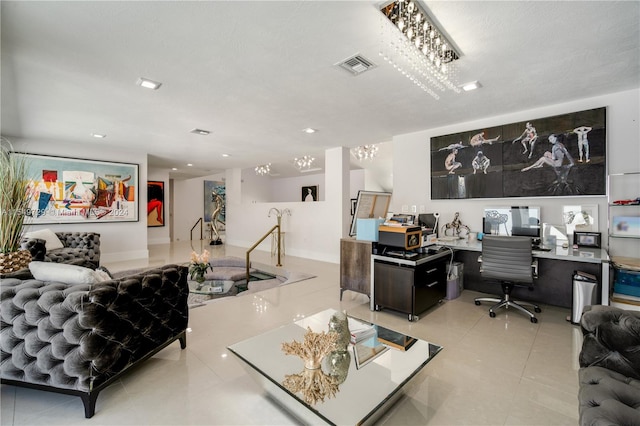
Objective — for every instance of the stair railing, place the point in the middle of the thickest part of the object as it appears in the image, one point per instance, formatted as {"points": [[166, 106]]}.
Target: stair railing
{"points": [[278, 226], [192, 228], [258, 243]]}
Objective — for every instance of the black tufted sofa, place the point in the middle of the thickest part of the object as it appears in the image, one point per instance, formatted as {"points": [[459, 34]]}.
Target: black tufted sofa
{"points": [[610, 367], [79, 248], [78, 339]]}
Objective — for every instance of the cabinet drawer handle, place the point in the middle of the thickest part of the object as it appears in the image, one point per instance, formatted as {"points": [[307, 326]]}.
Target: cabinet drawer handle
{"points": [[432, 270], [432, 284]]}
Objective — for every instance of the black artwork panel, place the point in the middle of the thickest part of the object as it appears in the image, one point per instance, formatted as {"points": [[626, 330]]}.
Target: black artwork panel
{"points": [[563, 155]]}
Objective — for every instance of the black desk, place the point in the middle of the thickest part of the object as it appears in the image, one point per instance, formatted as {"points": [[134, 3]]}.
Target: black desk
{"points": [[409, 285], [555, 270]]}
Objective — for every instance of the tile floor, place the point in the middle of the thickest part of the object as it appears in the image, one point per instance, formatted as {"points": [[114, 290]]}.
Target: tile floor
{"points": [[492, 371]]}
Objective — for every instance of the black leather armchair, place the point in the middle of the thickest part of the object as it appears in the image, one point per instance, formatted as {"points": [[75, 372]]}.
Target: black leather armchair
{"points": [[610, 366]]}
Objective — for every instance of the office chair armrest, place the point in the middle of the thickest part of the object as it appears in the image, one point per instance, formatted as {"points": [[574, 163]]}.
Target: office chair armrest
{"points": [[534, 265]]}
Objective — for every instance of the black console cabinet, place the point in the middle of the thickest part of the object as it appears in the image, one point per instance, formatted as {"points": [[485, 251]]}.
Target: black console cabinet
{"points": [[409, 287]]}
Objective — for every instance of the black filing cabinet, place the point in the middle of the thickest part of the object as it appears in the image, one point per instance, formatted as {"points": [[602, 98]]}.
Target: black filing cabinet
{"points": [[409, 288]]}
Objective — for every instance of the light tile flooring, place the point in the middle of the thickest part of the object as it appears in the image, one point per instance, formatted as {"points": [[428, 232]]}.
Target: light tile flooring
{"points": [[492, 371]]}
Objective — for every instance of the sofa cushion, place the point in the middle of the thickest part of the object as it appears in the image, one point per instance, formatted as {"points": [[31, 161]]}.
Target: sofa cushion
{"points": [[611, 339], [52, 242], [608, 398], [69, 274], [228, 262]]}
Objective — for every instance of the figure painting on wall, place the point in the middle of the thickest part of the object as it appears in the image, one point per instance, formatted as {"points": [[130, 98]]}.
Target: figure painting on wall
{"points": [[583, 142], [155, 203], [493, 168], [310, 193], [529, 136], [478, 140], [480, 163]]}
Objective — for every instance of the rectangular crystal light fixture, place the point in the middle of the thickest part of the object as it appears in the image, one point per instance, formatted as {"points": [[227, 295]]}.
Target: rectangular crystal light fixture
{"points": [[417, 48]]}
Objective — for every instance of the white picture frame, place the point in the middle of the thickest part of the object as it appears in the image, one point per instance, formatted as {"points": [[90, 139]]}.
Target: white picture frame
{"points": [[552, 233], [580, 217]]}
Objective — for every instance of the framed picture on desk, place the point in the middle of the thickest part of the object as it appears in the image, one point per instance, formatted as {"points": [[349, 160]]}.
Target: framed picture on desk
{"points": [[587, 239]]}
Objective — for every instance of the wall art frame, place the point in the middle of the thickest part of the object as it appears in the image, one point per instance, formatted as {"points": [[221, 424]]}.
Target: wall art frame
{"points": [[155, 203], [75, 190], [562, 155], [309, 193]]}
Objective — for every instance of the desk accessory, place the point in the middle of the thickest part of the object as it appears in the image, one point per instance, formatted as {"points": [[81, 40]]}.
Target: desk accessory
{"points": [[587, 239]]}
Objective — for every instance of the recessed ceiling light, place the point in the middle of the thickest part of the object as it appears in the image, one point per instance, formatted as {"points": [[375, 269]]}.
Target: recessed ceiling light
{"points": [[174, 168], [471, 86], [226, 155], [200, 132], [189, 165], [98, 135], [148, 84], [309, 130]]}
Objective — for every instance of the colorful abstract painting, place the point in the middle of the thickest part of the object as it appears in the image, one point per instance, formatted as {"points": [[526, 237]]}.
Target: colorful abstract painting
{"points": [[72, 190], [155, 203]]}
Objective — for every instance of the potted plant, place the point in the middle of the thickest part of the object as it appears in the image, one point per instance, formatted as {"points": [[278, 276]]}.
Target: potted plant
{"points": [[14, 202]]}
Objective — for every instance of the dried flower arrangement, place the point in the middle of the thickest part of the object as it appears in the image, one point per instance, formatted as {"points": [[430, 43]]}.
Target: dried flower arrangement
{"points": [[313, 348], [314, 385]]}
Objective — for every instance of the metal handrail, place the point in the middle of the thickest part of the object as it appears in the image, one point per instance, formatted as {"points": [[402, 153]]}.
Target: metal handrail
{"points": [[258, 243], [196, 224]]}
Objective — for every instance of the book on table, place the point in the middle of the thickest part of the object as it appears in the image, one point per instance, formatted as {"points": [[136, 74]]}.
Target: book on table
{"points": [[360, 331], [367, 350], [394, 339]]}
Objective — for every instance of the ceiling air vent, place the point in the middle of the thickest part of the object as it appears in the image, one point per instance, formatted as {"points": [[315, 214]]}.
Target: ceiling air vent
{"points": [[356, 64]]}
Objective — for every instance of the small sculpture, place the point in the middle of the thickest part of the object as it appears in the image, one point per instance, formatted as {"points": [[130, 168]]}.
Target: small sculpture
{"points": [[313, 348], [454, 228], [215, 218]]}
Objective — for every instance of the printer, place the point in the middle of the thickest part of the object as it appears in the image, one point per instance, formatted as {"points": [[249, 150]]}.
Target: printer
{"points": [[404, 237]]}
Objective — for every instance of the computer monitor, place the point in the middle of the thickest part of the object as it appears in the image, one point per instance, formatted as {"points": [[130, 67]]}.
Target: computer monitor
{"points": [[514, 220], [429, 221], [525, 221]]}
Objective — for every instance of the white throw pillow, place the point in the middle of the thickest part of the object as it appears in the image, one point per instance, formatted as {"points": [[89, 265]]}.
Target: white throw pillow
{"points": [[52, 241], [61, 272], [101, 275]]}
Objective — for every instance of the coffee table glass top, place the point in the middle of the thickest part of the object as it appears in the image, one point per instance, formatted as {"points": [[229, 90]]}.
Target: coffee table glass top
{"points": [[358, 397], [211, 287]]}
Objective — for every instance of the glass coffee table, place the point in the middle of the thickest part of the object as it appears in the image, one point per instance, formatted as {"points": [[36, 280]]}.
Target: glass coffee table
{"points": [[359, 394], [210, 287]]}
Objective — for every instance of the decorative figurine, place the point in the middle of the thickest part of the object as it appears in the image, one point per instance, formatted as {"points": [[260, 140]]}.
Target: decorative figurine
{"points": [[455, 227]]}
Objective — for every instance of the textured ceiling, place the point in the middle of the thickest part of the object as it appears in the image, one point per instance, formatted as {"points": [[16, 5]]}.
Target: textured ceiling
{"points": [[256, 73]]}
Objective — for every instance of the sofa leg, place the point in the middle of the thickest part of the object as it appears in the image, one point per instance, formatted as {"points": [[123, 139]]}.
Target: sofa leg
{"points": [[183, 340], [89, 401]]}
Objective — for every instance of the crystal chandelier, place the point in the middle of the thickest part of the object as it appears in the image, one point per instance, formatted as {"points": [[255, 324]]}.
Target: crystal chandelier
{"points": [[304, 162], [365, 152], [414, 46], [263, 169]]}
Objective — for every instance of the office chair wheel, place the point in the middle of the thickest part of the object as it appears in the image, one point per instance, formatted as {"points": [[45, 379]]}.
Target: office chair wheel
{"points": [[492, 314], [538, 310], [534, 320], [477, 303]]}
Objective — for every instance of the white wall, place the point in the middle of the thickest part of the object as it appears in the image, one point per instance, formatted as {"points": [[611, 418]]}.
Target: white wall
{"points": [[118, 240], [188, 198], [412, 161], [313, 230], [159, 234], [308, 229]]}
